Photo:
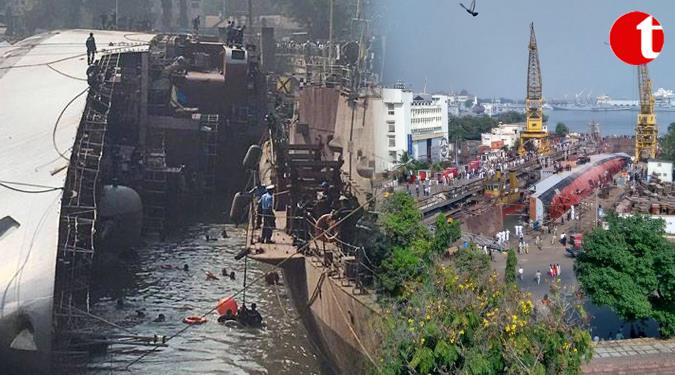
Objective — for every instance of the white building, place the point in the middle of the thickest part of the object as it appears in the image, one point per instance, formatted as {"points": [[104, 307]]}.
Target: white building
{"points": [[429, 127], [661, 169], [505, 133], [416, 124]]}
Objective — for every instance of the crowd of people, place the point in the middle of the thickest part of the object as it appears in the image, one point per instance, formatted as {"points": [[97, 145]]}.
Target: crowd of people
{"points": [[233, 34]]}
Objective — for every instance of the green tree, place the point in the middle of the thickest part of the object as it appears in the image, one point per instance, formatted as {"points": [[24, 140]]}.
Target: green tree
{"points": [[668, 144], [561, 129], [510, 270], [411, 247], [460, 319], [402, 221], [445, 234], [631, 268], [407, 240], [455, 316], [468, 103], [511, 117], [671, 127], [470, 127]]}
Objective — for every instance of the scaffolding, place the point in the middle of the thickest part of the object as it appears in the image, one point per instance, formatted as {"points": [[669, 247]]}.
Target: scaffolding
{"points": [[209, 140], [155, 181], [77, 224]]}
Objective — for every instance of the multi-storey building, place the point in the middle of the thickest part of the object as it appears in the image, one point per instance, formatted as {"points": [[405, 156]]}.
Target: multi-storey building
{"points": [[414, 123]]}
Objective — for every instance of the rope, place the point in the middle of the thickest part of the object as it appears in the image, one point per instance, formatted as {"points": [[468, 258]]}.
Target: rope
{"points": [[103, 320], [56, 124], [44, 189], [336, 239], [70, 57], [126, 36], [281, 305], [351, 329], [257, 279], [65, 74], [317, 290]]}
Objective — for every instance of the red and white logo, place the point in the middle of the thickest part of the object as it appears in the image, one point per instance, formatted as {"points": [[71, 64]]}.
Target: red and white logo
{"points": [[636, 38]]}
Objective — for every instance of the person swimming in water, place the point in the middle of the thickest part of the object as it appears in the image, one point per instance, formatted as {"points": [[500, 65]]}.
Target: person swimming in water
{"points": [[227, 317], [160, 318]]}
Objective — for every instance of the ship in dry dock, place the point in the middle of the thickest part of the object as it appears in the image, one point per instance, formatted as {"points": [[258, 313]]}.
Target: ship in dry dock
{"points": [[140, 139]]}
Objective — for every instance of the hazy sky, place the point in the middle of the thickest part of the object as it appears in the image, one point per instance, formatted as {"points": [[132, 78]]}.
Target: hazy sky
{"points": [[487, 55]]}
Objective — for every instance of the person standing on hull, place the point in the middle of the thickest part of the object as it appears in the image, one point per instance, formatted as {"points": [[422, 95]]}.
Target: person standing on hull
{"points": [[267, 206], [91, 49]]}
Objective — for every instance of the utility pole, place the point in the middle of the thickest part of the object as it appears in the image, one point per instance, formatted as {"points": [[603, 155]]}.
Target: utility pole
{"points": [[117, 11], [250, 15]]}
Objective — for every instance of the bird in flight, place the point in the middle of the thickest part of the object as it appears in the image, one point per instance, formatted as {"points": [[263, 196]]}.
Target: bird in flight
{"points": [[471, 9]]}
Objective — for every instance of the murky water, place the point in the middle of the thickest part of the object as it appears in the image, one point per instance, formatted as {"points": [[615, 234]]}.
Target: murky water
{"points": [[212, 348]]}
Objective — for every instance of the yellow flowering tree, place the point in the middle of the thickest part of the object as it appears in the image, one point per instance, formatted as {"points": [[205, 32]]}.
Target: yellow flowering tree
{"points": [[461, 318]]}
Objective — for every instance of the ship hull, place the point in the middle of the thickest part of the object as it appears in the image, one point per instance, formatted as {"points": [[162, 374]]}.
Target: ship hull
{"points": [[340, 325]]}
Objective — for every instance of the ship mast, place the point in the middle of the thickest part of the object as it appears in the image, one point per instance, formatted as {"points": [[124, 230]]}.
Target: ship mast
{"points": [[646, 130], [534, 102]]}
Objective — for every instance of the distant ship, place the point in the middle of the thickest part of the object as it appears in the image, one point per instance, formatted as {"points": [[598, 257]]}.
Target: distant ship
{"points": [[664, 101]]}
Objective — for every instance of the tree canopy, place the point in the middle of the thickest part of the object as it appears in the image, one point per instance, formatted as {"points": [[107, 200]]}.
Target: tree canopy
{"points": [[411, 246], [668, 143], [511, 117], [561, 129], [461, 319], [452, 315], [631, 268], [471, 127]]}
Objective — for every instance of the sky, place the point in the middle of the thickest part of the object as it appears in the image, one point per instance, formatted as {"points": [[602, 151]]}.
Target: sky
{"points": [[487, 55]]}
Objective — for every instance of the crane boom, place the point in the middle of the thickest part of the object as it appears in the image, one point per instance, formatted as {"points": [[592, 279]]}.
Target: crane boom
{"points": [[534, 131], [646, 130]]}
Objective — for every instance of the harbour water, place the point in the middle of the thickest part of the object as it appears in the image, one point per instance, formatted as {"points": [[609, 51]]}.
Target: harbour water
{"points": [[611, 122], [211, 348]]}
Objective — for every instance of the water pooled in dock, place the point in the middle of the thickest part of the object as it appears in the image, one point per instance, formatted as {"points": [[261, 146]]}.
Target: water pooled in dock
{"points": [[211, 348]]}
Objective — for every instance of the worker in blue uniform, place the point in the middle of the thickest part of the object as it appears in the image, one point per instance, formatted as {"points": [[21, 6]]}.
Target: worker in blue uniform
{"points": [[267, 208]]}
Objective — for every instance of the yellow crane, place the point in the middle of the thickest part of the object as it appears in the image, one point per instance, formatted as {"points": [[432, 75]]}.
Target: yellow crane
{"points": [[646, 130], [534, 135]]}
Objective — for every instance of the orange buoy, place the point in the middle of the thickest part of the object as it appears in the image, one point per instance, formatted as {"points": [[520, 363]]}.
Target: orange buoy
{"points": [[225, 304], [194, 320]]}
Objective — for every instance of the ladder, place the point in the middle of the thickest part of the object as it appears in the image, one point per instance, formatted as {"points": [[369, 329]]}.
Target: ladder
{"points": [[77, 223], [209, 141], [155, 195]]}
